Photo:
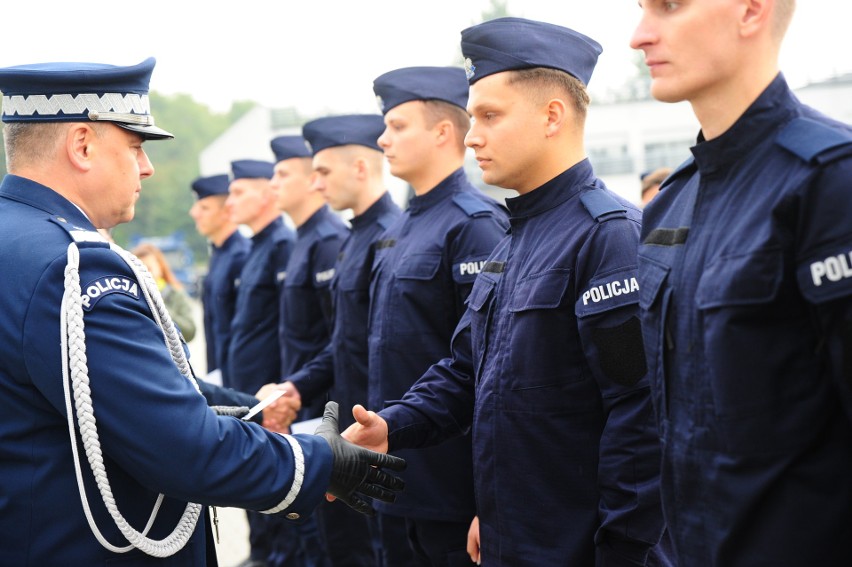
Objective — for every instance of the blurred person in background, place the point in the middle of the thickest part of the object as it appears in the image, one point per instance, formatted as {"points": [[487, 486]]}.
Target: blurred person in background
{"points": [[176, 299]]}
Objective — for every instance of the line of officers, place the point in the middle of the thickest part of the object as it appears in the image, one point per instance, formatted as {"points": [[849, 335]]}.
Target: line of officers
{"points": [[358, 314]]}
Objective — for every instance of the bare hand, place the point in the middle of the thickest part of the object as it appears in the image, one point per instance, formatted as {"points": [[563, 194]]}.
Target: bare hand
{"points": [[473, 541], [278, 415]]}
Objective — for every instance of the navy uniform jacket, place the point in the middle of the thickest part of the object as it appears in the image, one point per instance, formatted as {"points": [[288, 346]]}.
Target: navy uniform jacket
{"points": [[746, 279], [423, 271], [256, 353], [157, 433], [305, 320], [219, 298], [547, 365], [342, 364]]}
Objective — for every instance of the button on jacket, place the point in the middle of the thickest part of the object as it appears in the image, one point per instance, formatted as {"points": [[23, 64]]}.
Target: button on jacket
{"points": [[423, 272], [548, 367], [155, 430], [256, 352], [746, 278]]}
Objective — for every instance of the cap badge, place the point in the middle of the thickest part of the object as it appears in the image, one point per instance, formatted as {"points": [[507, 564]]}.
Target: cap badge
{"points": [[469, 68]]}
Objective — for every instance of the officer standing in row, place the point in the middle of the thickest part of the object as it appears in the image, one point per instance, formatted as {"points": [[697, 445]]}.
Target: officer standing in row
{"points": [[306, 306], [228, 252], [424, 269], [348, 173], [100, 409], [547, 364], [256, 352], [745, 271], [305, 315]]}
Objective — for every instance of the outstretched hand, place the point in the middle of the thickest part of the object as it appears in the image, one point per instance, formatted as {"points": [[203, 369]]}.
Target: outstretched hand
{"points": [[355, 473]]}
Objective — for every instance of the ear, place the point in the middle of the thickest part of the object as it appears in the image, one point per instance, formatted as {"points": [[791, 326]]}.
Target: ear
{"points": [[444, 131], [80, 145], [557, 114], [362, 170], [756, 16]]}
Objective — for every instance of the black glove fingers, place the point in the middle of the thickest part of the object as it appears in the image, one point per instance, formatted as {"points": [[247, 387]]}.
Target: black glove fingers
{"points": [[385, 480], [389, 462], [377, 492], [359, 505]]}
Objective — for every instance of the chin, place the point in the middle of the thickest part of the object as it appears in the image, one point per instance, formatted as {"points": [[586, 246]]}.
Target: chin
{"points": [[663, 94]]}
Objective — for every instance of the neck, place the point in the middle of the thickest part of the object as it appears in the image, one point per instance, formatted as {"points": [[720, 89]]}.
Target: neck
{"points": [[424, 181], [264, 219], [219, 237], [719, 109], [367, 198], [552, 164], [300, 214]]}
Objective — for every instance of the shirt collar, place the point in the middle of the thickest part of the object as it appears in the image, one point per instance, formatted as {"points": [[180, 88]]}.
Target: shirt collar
{"points": [[373, 212], [440, 192], [553, 193]]}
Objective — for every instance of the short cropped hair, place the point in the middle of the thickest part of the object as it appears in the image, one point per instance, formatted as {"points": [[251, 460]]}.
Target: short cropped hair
{"points": [[436, 110], [29, 143], [541, 83], [783, 16]]}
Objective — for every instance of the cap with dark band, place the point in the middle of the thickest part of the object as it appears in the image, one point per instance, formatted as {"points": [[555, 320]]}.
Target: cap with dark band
{"points": [[448, 84], [212, 185], [509, 44], [287, 147], [251, 169], [344, 130], [81, 92]]}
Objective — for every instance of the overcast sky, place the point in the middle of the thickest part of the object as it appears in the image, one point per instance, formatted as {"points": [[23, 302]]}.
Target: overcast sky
{"points": [[321, 56]]}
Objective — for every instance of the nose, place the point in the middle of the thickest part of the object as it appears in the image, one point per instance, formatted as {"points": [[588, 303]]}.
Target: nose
{"points": [[146, 168], [643, 34], [318, 183], [384, 140], [473, 139]]}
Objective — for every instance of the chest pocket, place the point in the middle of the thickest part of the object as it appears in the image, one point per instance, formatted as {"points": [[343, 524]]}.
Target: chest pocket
{"points": [[740, 280], [545, 349], [479, 304], [744, 333], [422, 267], [654, 302]]}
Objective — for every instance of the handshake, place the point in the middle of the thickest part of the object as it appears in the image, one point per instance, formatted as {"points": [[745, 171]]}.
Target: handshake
{"points": [[355, 474]]}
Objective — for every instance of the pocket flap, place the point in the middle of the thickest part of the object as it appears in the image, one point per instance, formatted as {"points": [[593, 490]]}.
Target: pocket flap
{"points": [[540, 291]]}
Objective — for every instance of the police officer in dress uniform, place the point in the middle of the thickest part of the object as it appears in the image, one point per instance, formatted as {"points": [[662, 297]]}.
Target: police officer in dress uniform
{"points": [[305, 317], [424, 269], [348, 173], [745, 271], [101, 412], [228, 251], [547, 364], [256, 352]]}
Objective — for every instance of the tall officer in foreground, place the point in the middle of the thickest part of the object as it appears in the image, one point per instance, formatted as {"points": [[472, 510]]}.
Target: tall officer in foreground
{"points": [[746, 279], [348, 173], [423, 272], [91, 363], [228, 252], [547, 364]]}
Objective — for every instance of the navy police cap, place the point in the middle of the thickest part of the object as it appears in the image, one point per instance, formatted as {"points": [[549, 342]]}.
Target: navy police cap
{"points": [[508, 44], [448, 84], [286, 147], [212, 185], [81, 92], [343, 130], [251, 169]]}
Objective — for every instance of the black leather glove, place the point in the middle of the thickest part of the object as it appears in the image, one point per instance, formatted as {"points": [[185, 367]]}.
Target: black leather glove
{"points": [[355, 473]]}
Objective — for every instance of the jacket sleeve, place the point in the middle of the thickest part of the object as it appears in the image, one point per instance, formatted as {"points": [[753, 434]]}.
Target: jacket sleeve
{"points": [[606, 307]]}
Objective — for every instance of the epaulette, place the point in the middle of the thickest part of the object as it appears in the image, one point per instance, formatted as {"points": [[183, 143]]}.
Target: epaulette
{"points": [[808, 138], [599, 203], [81, 235], [326, 230], [470, 204]]}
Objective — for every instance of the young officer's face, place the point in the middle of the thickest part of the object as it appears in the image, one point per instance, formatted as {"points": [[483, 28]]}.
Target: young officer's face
{"points": [[506, 133], [406, 141], [209, 214], [292, 182], [690, 46], [247, 199], [334, 177]]}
